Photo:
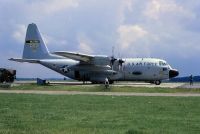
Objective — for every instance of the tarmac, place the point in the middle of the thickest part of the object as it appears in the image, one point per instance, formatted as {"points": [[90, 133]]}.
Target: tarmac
{"points": [[132, 84], [99, 93]]}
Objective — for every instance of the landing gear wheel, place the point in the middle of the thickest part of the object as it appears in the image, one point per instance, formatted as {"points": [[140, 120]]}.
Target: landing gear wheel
{"points": [[94, 82], [157, 82], [111, 82]]}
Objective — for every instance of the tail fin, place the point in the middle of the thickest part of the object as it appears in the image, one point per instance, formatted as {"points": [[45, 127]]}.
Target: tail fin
{"points": [[34, 46]]}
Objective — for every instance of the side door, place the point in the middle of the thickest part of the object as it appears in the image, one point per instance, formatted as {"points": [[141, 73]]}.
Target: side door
{"points": [[77, 75]]}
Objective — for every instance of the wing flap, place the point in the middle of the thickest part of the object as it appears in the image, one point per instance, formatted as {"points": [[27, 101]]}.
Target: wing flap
{"points": [[75, 56]]}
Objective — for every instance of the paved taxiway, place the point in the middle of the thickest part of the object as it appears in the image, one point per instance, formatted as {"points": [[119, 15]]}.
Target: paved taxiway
{"points": [[98, 93], [134, 84], [130, 84], [163, 85]]}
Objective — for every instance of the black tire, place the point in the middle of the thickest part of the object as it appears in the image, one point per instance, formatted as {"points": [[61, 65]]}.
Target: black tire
{"points": [[1, 80], [151, 82], [157, 82], [94, 82], [12, 79], [7, 80], [111, 82]]}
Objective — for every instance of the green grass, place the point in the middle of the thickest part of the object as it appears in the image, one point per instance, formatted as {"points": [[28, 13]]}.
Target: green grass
{"points": [[65, 114], [100, 88]]}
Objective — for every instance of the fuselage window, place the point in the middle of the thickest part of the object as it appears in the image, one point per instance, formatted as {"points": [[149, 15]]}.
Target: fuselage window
{"points": [[161, 63]]}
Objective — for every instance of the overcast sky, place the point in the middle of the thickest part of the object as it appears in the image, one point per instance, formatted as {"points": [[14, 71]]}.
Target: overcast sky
{"points": [[166, 29]]}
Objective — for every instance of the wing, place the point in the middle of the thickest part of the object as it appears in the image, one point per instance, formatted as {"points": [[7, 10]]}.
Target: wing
{"points": [[75, 56]]}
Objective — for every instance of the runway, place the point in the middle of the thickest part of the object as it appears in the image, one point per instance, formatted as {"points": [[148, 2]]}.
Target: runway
{"points": [[140, 84], [121, 84], [130, 84], [99, 93]]}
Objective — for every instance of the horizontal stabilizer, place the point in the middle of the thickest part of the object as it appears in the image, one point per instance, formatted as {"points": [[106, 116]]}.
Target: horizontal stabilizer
{"points": [[75, 56], [25, 60]]}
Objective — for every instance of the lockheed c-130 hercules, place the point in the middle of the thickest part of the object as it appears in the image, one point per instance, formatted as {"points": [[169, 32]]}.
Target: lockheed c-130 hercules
{"points": [[94, 68]]}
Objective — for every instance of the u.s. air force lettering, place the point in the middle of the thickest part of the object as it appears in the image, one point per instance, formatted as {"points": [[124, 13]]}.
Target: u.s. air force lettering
{"points": [[33, 44]]}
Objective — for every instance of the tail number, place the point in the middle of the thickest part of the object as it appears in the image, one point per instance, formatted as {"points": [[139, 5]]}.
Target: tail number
{"points": [[33, 44]]}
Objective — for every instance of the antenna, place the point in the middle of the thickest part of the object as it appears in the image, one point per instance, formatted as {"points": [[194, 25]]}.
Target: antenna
{"points": [[113, 49]]}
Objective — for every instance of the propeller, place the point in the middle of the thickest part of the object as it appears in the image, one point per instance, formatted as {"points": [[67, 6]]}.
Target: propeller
{"points": [[112, 61], [112, 58], [120, 62]]}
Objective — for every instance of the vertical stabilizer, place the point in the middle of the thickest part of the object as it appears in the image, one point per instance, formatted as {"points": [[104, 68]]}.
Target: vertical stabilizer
{"points": [[34, 46]]}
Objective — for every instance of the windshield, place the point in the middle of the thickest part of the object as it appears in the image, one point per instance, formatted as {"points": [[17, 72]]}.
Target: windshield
{"points": [[163, 63]]}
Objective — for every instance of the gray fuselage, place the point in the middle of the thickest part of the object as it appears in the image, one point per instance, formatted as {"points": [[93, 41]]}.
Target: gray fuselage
{"points": [[135, 69]]}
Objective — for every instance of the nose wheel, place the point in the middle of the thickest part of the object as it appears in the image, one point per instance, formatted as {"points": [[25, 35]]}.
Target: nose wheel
{"points": [[157, 82]]}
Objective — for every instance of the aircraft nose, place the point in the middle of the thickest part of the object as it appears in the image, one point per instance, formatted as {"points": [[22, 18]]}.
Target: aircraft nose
{"points": [[173, 73]]}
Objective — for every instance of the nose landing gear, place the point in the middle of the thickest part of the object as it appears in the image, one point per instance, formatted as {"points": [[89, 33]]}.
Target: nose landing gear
{"points": [[157, 82]]}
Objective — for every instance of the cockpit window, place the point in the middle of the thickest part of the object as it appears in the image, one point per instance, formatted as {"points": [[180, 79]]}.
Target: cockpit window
{"points": [[164, 69], [161, 63]]}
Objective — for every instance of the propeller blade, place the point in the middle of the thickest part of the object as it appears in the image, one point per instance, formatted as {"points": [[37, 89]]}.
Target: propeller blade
{"points": [[120, 62], [112, 61]]}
